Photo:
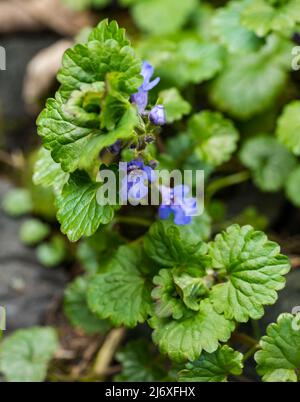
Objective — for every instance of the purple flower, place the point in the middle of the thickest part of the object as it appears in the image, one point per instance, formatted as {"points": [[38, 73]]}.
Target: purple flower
{"points": [[141, 97], [134, 186], [157, 115], [116, 147], [175, 200]]}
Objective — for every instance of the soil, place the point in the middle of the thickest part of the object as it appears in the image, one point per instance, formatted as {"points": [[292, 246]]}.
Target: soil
{"points": [[27, 290]]}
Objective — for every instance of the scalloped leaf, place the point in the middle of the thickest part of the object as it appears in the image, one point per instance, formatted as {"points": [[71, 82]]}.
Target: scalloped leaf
{"points": [[279, 357], [78, 210], [269, 162], [214, 136], [213, 367], [292, 187], [92, 108], [169, 245], [140, 363], [73, 144], [48, 173], [175, 106], [107, 53], [77, 310], [171, 15], [183, 58], [179, 290], [251, 84], [24, 355], [185, 339], [230, 32], [254, 269], [122, 294], [288, 127], [263, 16], [96, 251]]}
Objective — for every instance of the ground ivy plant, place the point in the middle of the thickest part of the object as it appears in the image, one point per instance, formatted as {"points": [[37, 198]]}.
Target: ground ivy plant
{"points": [[194, 282]]}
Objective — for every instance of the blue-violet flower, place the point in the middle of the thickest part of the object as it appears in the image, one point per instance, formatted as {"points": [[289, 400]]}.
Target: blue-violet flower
{"points": [[175, 200], [157, 115], [141, 97], [134, 187]]}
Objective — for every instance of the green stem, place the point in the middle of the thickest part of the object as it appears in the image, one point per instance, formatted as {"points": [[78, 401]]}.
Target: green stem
{"points": [[226, 181], [256, 329], [133, 220], [251, 352], [244, 339]]}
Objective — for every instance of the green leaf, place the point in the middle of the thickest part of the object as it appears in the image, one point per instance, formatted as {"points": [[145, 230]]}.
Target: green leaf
{"points": [[170, 15], [175, 106], [214, 136], [251, 84], [62, 135], [165, 294], [227, 27], [107, 54], [77, 310], [183, 58], [279, 357], [269, 162], [71, 142], [254, 269], [288, 127], [96, 251], [52, 253], [180, 153], [78, 210], [214, 367], [48, 173], [263, 16], [123, 131], [33, 231], [17, 202], [24, 356], [178, 290], [122, 294], [192, 288], [92, 110], [140, 363], [169, 245], [292, 187], [185, 339], [202, 18]]}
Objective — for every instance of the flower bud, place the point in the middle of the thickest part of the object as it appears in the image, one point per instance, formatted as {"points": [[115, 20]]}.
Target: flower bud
{"points": [[157, 115]]}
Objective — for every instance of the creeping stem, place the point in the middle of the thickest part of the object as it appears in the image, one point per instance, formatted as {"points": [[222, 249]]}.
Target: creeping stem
{"points": [[224, 182]]}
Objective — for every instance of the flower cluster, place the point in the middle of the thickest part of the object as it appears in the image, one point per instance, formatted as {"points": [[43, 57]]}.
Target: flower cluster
{"points": [[138, 175], [176, 201], [157, 114], [135, 181]]}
